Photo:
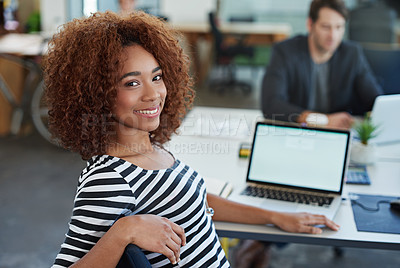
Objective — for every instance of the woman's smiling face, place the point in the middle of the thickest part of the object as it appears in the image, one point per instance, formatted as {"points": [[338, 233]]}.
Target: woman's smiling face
{"points": [[141, 91]]}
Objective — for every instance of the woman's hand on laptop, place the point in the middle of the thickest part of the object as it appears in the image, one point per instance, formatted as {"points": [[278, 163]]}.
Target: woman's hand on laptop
{"points": [[226, 210], [302, 222]]}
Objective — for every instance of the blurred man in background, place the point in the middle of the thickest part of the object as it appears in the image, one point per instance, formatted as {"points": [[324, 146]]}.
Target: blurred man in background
{"points": [[319, 79]]}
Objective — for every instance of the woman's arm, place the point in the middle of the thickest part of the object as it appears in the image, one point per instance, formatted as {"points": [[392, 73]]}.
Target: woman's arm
{"points": [[226, 210], [149, 232]]}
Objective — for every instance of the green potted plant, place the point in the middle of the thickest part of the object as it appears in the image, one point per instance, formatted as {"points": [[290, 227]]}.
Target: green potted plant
{"points": [[366, 130], [362, 151]]}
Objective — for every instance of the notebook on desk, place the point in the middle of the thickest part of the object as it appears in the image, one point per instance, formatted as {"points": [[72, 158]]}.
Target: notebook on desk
{"points": [[385, 113], [295, 169]]}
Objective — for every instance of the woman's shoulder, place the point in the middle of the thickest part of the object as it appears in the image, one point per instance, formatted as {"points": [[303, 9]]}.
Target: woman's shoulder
{"points": [[101, 163], [103, 178], [101, 167]]}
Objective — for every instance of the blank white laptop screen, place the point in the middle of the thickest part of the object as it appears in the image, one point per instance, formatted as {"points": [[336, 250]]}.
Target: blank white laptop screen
{"points": [[299, 157]]}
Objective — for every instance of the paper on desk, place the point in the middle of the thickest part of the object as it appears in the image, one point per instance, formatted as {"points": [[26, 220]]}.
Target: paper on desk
{"points": [[218, 187]]}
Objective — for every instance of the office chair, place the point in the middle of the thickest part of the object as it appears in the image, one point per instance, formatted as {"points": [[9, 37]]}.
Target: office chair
{"points": [[224, 57], [133, 257], [372, 22], [385, 64]]}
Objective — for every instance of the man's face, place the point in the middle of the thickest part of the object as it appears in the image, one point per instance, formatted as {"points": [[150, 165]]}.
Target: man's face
{"points": [[327, 32]]}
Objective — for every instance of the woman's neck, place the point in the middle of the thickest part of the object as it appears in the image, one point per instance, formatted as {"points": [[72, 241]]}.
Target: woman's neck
{"points": [[131, 144], [139, 151]]}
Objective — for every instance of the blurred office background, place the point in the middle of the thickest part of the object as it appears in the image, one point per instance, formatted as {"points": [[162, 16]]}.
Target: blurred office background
{"points": [[38, 179]]}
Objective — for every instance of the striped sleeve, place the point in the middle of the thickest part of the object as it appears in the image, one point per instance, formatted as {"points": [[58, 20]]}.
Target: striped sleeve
{"points": [[103, 196]]}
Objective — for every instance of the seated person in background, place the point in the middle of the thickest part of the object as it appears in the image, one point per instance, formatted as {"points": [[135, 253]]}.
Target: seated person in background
{"points": [[118, 88], [126, 7], [316, 79]]}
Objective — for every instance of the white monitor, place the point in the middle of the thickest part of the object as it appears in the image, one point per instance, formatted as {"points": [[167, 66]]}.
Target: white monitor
{"points": [[386, 114]]}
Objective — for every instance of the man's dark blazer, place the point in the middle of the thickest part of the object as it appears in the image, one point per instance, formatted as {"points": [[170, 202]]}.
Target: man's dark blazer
{"points": [[287, 80]]}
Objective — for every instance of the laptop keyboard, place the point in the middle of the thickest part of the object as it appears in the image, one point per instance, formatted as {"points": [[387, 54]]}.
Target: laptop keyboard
{"points": [[291, 196]]}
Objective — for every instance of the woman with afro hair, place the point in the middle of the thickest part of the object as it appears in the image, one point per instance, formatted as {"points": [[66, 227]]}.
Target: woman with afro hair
{"points": [[117, 89]]}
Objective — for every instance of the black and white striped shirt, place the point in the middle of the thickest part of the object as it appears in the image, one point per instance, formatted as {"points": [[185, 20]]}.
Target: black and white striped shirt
{"points": [[110, 188]]}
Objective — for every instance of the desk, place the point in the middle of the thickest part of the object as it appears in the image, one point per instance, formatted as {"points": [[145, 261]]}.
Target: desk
{"points": [[23, 44], [217, 157], [257, 33]]}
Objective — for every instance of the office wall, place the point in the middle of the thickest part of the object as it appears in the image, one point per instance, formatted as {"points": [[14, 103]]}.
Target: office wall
{"points": [[187, 11], [52, 14]]}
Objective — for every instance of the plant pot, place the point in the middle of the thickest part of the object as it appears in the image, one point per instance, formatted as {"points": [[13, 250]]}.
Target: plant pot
{"points": [[363, 154]]}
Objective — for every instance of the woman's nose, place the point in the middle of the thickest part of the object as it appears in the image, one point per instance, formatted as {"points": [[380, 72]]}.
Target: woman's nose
{"points": [[150, 92]]}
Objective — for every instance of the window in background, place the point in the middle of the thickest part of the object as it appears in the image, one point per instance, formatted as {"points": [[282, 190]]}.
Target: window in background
{"points": [[89, 7]]}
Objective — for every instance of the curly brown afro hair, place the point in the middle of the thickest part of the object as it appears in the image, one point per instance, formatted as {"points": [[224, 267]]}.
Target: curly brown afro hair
{"points": [[81, 76]]}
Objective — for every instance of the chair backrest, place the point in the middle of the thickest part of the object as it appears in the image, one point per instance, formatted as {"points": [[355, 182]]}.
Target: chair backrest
{"points": [[372, 23], [217, 34], [133, 257], [385, 64]]}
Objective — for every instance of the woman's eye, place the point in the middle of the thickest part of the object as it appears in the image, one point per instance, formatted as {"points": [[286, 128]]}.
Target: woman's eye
{"points": [[132, 84], [157, 77]]}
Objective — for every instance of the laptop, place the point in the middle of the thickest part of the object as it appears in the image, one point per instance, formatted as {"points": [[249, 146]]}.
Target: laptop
{"points": [[295, 169], [385, 113]]}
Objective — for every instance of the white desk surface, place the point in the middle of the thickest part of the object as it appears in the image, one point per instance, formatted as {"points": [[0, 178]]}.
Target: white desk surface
{"points": [[23, 44], [212, 149]]}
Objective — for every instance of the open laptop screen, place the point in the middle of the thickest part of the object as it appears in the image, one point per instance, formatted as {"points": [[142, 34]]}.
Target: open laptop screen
{"points": [[300, 157]]}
